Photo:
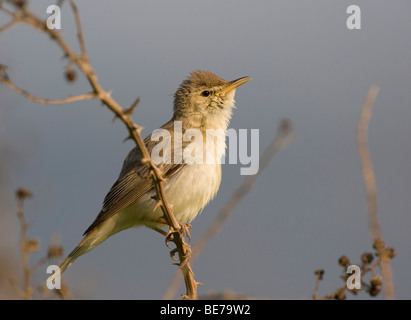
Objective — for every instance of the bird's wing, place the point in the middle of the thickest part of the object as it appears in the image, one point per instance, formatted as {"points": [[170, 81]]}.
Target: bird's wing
{"points": [[133, 182]]}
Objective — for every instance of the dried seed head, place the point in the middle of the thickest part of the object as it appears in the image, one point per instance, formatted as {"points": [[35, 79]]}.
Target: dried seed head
{"points": [[20, 3], [355, 291], [32, 245], [319, 273], [374, 291], [367, 257], [22, 193], [343, 261], [340, 295], [70, 75], [54, 251], [376, 280], [391, 252], [379, 245]]}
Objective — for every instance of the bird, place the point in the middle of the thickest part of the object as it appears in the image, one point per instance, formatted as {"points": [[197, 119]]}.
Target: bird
{"points": [[203, 107]]}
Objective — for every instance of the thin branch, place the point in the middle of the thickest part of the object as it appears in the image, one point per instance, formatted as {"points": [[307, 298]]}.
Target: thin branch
{"points": [[79, 29], [4, 79], [371, 190], [24, 249], [283, 137], [5, 10], [319, 276], [8, 25], [367, 167]]}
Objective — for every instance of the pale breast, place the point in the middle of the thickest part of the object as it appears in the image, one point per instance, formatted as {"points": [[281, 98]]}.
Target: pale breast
{"points": [[192, 189]]}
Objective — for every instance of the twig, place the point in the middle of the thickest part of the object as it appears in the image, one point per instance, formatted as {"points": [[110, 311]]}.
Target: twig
{"points": [[367, 168], [4, 79], [28, 290], [319, 276], [283, 137], [79, 29], [371, 190], [8, 25]]}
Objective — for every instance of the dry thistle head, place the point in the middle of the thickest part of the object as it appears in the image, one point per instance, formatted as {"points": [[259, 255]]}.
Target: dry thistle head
{"points": [[375, 285], [374, 291], [367, 257], [54, 251], [319, 273], [390, 252], [376, 280], [70, 75], [340, 295], [23, 193], [32, 245], [355, 291], [20, 3], [343, 261], [379, 245]]}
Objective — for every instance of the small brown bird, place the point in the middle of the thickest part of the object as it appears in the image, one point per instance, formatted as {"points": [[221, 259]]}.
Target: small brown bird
{"points": [[203, 106]]}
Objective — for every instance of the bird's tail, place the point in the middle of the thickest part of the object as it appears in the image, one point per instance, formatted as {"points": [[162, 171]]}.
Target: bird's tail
{"points": [[89, 242]]}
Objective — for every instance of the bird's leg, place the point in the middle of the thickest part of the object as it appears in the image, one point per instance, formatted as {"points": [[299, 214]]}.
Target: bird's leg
{"points": [[185, 227], [168, 235], [158, 230]]}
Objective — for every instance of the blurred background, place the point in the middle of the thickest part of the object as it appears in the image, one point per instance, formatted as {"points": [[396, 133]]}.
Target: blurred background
{"points": [[305, 211]]}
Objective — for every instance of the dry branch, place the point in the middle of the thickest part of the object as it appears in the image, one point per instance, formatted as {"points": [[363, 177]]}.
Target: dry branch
{"points": [[371, 191], [5, 80], [21, 195]]}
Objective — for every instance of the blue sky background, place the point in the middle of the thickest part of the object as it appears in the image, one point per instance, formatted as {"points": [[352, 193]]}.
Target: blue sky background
{"points": [[307, 209]]}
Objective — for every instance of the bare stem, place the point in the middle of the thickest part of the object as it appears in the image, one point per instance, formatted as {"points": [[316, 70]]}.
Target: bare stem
{"points": [[371, 189], [21, 195], [4, 79]]}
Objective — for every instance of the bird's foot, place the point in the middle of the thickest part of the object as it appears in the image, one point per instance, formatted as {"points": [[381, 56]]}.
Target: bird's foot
{"points": [[185, 229], [185, 258]]}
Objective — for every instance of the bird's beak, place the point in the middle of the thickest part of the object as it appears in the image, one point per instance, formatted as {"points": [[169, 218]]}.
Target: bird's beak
{"points": [[233, 84]]}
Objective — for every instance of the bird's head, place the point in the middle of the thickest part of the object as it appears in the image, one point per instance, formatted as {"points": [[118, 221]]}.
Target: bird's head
{"points": [[206, 100]]}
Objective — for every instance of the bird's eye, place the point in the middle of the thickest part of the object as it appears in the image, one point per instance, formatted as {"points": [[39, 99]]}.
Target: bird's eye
{"points": [[205, 93]]}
